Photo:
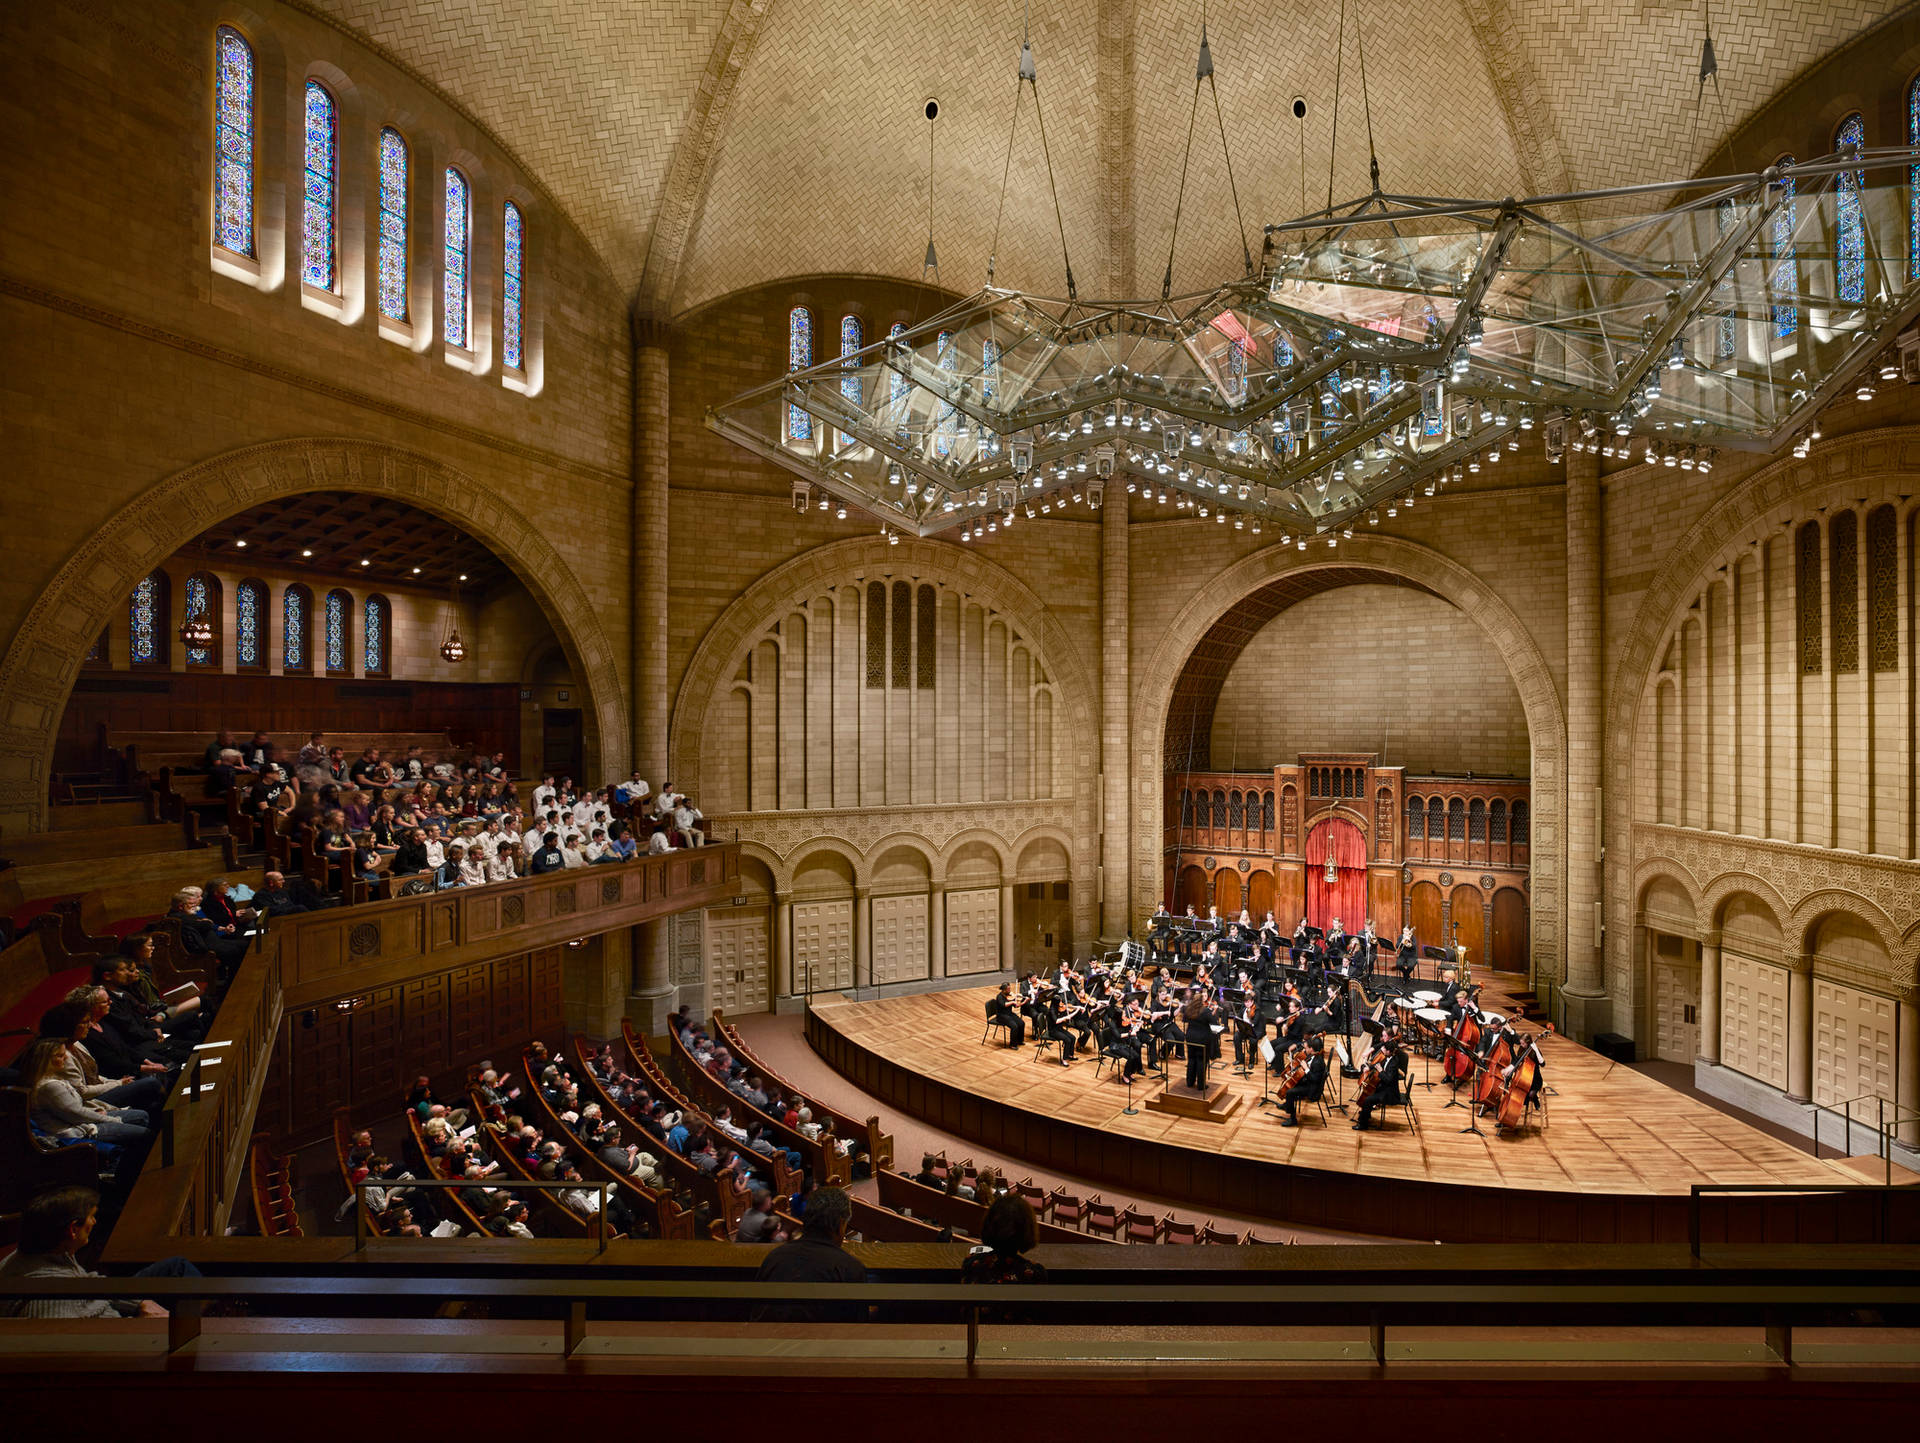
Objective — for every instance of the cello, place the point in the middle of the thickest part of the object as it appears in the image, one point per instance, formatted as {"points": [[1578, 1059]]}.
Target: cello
{"points": [[1495, 1063], [1461, 1042], [1512, 1111]]}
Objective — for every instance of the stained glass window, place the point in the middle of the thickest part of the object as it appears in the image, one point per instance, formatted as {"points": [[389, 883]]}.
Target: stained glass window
{"points": [[1726, 338], [295, 608], [249, 625], [317, 232], [201, 604], [850, 382], [989, 369], [1236, 371], [515, 275], [455, 291], [373, 635], [901, 385], [1913, 184], [1282, 353], [1851, 241], [233, 142], [97, 653], [1786, 269], [338, 603], [799, 357], [947, 360], [393, 225], [147, 621]]}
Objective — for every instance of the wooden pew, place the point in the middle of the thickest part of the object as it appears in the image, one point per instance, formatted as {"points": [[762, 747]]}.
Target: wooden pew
{"points": [[166, 872], [961, 1214], [29, 1166], [342, 1142], [659, 1209], [641, 1052], [556, 1218], [877, 1225], [92, 844], [25, 967], [151, 750], [878, 1144], [95, 816], [828, 1164], [271, 1180], [100, 909], [445, 1199]]}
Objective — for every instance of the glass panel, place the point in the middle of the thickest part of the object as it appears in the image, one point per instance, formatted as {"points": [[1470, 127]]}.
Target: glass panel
{"points": [[233, 143], [144, 621], [799, 357], [1850, 239], [247, 611], [293, 627], [317, 231], [374, 635], [454, 310], [1786, 268], [393, 225], [197, 605], [511, 322], [336, 631]]}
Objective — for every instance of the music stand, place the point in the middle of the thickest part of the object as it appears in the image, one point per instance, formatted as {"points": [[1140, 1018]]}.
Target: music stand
{"points": [[1265, 1050], [1129, 1110], [1334, 1074], [1473, 1108]]}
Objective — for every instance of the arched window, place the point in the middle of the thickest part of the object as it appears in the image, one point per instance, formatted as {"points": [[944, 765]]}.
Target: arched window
{"points": [[1726, 341], [1520, 824], [900, 385], [149, 621], [1186, 806], [1913, 183], [850, 338], [1456, 820], [456, 294], [296, 615], [1786, 269], [1497, 820], [1843, 579], [1850, 239], [393, 225], [339, 633], [1236, 811], [376, 636], [233, 142], [1266, 812], [989, 369], [1477, 821], [203, 600], [318, 238], [799, 357], [513, 276], [902, 635], [1416, 817], [1436, 819], [876, 633], [1219, 809], [250, 626]]}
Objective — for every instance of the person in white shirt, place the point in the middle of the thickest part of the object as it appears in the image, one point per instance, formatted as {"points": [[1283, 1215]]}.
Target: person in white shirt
{"points": [[658, 843], [596, 846], [436, 851], [487, 840], [473, 872], [665, 800], [724, 1121], [543, 795], [570, 851], [687, 817], [634, 792], [583, 813], [500, 866]]}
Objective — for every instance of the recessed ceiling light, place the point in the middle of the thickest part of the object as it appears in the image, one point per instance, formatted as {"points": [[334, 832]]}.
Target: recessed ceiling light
{"points": [[365, 562], [416, 571], [306, 553], [241, 542], [463, 576]]}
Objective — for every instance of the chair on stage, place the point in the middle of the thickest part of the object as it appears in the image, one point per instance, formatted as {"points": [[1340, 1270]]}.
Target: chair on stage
{"points": [[1142, 1227], [1103, 1219], [997, 1024], [1260, 1242], [1114, 1056]]}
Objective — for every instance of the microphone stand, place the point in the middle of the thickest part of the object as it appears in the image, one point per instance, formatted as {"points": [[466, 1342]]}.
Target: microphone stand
{"points": [[1129, 1110]]}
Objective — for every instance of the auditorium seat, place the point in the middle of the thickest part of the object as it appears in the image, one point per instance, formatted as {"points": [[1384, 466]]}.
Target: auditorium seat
{"points": [[1141, 1227], [149, 751], [556, 1217], [827, 1164], [342, 1144], [271, 1179], [1216, 1236], [1067, 1209], [1103, 1219], [877, 1144]]}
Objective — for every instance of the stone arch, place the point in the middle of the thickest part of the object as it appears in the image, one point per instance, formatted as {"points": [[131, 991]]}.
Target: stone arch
{"points": [[1654, 869], [1389, 560], [769, 859], [813, 846], [44, 657], [992, 840], [1659, 897], [912, 842], [1801, 924], [1724, 888]]}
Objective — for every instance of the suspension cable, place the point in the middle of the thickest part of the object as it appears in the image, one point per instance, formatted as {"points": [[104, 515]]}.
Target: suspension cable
{"points": [[1339, 66]]}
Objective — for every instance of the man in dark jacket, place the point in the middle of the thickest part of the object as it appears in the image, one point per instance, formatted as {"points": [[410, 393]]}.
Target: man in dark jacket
{"points": [[816, 1256], [548, 858]]}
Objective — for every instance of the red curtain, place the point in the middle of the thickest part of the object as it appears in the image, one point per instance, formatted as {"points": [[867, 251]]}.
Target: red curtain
{"points": [[1347, 897]]}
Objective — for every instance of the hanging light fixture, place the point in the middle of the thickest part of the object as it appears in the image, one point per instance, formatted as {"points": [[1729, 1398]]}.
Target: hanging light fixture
{"points": [[453, 649], [196, 631]]}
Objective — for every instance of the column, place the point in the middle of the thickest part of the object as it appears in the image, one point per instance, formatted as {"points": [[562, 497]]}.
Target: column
{"points": [[1800, 1030], [1710, 998], [1906, 1074], [1586, 1008], [783, 944], [862, 937], [1116, 751], [653, 998], [649, 610], [937, 931], [1009, 960]]}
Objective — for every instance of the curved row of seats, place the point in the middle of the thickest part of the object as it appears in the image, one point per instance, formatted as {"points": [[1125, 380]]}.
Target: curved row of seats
{"points": [[865, 1137]]}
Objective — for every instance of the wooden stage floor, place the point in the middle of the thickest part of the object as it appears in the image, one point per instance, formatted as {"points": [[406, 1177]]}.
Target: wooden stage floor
{"points": [[1609, 1130]]}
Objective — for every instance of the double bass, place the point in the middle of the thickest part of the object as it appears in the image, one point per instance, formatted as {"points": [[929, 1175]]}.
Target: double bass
{"points": [[1461, 1042], [1495, 1063], [1512, 1109]]}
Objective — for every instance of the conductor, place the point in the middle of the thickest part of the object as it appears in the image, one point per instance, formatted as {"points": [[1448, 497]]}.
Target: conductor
{"points": [[1196, 1020]]}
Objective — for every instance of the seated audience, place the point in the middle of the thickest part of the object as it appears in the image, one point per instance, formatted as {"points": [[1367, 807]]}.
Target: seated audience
{"points": [[816, 1256], [54, 1228]]}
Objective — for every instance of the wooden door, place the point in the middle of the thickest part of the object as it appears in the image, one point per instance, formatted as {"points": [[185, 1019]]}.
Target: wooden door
{"points": [[973, 932], [823, 945], [1226, 892], [1510, 931], [899, 939], [1194, 891], [560, 742], [1426, 915], [1753, 1018], [1469, 919], [377, 1056], [1676, 1008], [1262, 896], [737, 970]]}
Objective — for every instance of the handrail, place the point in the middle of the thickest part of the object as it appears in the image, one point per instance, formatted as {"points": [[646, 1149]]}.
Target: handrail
{"points": [[390, 1186], [1701, 1189], [1883, 1130]]}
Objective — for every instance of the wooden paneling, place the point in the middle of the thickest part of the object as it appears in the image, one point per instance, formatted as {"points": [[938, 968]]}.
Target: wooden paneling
{"points": [[899, 939], [377, 1041], [470, 1009], [484, 716], [973, 931], [1426, 914], [1753, 1018], [546, 1003], [1676, 1008], [1470, 923], [1853, 1045], [512, 1012], [321, 1057], [1510, 927], [737, 972], [823, 945], [428, 1042]]}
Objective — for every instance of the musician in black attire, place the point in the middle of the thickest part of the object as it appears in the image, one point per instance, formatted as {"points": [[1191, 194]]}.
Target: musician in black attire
{"points": [[1000, 1008], [1407, 957], [1308, 1088], [1389, 1088], [1197, 1020]]}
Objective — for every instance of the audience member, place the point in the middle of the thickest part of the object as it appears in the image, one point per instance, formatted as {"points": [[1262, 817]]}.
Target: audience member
{"points": [[54, 1228], [816, 1256]]}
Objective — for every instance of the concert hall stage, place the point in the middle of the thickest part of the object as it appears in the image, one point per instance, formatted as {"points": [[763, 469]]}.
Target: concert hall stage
{"points": [[1615, 1161]]}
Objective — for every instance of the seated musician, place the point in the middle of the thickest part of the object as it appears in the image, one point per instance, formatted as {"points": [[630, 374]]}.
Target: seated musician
{"points": [[1299, 941], [1309, 1087], [1120, 1042], [1136, 1032], [1407, 956], [1000, 1008], [1030, 992], [1389, 1088]]}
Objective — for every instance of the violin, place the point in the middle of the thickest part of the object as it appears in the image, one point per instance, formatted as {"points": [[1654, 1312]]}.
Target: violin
{"points": [[1370, 1076]]}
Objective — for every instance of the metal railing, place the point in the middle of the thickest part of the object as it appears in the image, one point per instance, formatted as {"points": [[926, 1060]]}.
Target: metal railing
{"points": [[598, 1230], [1884, 1128]]}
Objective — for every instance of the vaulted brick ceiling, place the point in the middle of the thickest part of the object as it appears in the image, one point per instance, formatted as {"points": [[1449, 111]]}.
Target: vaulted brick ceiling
{"points": [[706, 145]]}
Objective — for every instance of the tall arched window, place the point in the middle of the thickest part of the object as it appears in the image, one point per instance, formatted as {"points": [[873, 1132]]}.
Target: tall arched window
{"points": [[1436, 819], [1219, 809], [149, 621], [989, 369], [376, 636], [1726, 340], [393, 225], [1416, 817], [1266, 811], [1850, 240], [456, 295], [1457, 820], [339, 633], [850, 377], [1497, 821], [233, 142], [203, 601], [250, 626], [1236, 810], [318, 240], [1913, 183], [296, 618], [1477, 821], [1786, 268], [1520, 824], [799, 357], [1186, 807], [514, 274], [1883, 589]]}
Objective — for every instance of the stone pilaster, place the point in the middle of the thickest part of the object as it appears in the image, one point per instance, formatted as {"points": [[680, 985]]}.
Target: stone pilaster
{"points": [[1585, 989], [650, 556], [1116, 746]]}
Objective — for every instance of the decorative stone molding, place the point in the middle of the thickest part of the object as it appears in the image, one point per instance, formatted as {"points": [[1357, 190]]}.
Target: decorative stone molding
{"points": [[784, 839], [1401, 561], [44, 656]]}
